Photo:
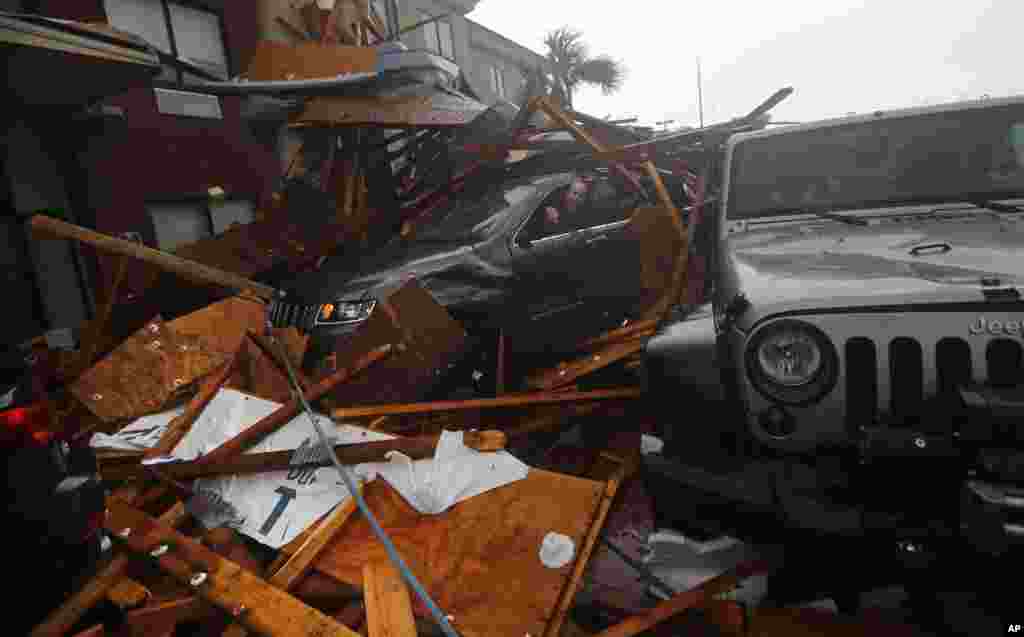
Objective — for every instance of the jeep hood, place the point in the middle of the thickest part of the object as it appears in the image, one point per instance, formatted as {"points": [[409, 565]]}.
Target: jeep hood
{"points": [[893, 261]]}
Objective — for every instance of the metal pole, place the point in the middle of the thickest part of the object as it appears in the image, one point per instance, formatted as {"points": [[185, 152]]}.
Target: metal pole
{"points": [[700, 95]]}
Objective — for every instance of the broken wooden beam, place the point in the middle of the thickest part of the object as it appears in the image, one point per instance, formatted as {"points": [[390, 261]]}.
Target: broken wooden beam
{"points": [[250, 600], [566, 373], [180, 425], [635, 329], [515, 400], [95, 590], [683, 601], [388, 607], [284, 414], [192, 270], [414, 447]]}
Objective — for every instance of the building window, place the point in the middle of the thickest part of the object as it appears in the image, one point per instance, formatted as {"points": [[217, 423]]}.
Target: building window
{"points": [[180, 223], [497, 81], [438, 36], [188, 32]]}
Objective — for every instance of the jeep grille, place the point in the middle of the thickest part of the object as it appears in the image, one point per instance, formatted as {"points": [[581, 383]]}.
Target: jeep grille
{"points": [[291, 315], [906, 373]]}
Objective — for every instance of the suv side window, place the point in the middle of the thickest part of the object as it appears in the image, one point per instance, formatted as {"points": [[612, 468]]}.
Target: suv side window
{"points": [[598, 201]]}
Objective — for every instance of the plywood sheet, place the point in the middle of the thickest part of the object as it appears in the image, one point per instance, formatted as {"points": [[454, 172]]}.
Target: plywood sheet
{"points": [[432, 339], [223, 325], [153, 366], [480, 559]]}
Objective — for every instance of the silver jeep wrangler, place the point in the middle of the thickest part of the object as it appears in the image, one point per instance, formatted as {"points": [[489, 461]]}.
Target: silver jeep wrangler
{"points": [[859, 365]]}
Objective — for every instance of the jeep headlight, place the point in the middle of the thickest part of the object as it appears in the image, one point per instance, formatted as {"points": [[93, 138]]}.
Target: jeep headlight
{"points": [[791, 362], [344, 312]]}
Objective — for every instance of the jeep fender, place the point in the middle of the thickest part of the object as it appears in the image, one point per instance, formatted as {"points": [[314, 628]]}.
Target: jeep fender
{"points": [[686, 373]]}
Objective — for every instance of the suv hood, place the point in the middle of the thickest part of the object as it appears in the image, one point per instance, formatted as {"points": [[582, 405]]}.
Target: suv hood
{"points": [[450, 270], [893, 261]]}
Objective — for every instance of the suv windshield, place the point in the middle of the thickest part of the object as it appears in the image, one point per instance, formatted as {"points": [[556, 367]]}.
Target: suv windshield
{"points": [[973, 154], [476, 217]]}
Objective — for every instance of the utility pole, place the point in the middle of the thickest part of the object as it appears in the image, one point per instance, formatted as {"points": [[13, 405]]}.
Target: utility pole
{"points": [[700, 95]]}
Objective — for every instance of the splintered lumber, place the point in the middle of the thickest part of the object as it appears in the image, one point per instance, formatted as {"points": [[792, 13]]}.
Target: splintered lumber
{"points": [[517, 400], [433, 340], [634, 329], [197, 272], [144, 373], [253, 602], [414, 447], [566, 373], [683, 601], [63, 618], [388, 607], [289, 410], [480, 559], [554, 627], [180, 425]]}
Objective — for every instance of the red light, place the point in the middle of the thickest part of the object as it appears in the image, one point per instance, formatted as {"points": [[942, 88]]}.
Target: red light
{"points": [[32, 422]]}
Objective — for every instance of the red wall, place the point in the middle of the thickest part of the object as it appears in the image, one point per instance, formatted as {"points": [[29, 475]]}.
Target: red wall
{"points": [[153, 156]]}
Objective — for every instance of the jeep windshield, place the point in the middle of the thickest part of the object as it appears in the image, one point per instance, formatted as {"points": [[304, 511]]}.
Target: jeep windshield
{"points": [[968, 155]]}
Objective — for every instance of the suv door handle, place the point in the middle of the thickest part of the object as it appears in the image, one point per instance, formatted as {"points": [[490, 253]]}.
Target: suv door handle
{"points": [[593, 240]]}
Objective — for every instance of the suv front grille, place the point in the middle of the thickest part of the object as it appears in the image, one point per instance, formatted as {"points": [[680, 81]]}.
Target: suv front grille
{"points": [[291, 315], [906, 375]]}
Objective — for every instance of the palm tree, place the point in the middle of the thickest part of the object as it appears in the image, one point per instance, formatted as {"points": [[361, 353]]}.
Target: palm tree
{"points": [[572, 65]]}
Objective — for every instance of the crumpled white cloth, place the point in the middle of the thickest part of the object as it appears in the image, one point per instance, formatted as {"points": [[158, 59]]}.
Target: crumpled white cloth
{"points": [[454, 474], [556, 550]]}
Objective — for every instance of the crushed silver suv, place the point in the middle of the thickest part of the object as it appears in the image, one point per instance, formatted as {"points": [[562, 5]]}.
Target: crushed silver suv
{"points": [[859, 366]]}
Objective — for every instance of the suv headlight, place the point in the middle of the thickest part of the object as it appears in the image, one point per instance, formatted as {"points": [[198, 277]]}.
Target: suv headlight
{"points": [[791, 362], [344, 312]]}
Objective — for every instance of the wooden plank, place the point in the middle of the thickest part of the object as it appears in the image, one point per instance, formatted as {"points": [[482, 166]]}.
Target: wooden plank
{"points": [[289, 410], [480, 559], [308, 60], [566, 373], [683, 601], [144, 373], [180, 425], [388, 607], [414, 447], [554, 627], [250, 600], [191, 270], [128, 594], [61, 620], [516, 400]]}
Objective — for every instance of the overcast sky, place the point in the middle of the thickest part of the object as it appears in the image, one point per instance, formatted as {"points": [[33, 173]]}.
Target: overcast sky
{"points": [[840, 56]]}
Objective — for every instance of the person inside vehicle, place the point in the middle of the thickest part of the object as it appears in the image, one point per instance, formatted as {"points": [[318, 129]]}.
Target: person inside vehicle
{"points": [[558, 214]]}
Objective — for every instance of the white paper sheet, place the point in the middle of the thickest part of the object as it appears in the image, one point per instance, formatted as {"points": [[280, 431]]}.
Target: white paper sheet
{"points": [[275, 507]]}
